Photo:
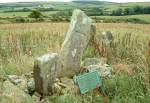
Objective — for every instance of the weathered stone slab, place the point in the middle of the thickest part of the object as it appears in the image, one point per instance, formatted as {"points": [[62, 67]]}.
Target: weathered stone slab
{"points": [[45, 73], [78, 36]]}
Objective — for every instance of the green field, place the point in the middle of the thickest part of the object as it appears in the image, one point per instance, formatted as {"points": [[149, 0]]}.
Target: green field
{"points": [[144, 17], [14, 10], [62, 6], [14, 14], [114, 6]]}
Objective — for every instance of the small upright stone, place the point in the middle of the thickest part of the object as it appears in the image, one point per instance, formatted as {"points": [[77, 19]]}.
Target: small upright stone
{"points": [[45, 73], [107, 38], [107, 43], [78, 36]]}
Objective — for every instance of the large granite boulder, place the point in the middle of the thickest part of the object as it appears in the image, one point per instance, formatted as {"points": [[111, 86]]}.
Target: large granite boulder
{"points": [[78, 36], [45, 73], [13, 94]]}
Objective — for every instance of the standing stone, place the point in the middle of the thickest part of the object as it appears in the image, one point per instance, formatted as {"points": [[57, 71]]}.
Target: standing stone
{"points": [[107, 38], [77, 38], [45, 73], [93, 32], [107, 41]]}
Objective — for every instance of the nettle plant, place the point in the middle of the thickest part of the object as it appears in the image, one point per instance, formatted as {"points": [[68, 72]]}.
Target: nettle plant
{"points": [[149, 48], [148, 60]]}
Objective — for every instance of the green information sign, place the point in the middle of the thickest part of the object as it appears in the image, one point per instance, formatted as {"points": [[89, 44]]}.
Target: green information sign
{"points": [[88, 81]]}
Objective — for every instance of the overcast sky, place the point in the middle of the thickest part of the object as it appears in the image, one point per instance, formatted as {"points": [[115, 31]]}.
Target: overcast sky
{"points": [[5, 1]]}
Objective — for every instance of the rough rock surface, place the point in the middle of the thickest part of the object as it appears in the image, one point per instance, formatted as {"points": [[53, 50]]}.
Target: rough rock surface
{"points": [[99, 64], [77, 39], [94, 61], [31, 85], [19, 81], [14, 79], [104, 70], [13, 94], [45, 73]]}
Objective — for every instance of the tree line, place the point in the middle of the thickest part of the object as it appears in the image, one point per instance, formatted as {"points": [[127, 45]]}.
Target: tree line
{"points": [[131, 11], [65, 15], [118, 12]]}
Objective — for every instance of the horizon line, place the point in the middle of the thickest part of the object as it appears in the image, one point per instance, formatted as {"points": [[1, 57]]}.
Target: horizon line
{"points": [[74, 1]]}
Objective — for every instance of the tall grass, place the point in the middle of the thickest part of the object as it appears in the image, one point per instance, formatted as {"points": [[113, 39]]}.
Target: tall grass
{"points": [[130, 47], [21, 43]]}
